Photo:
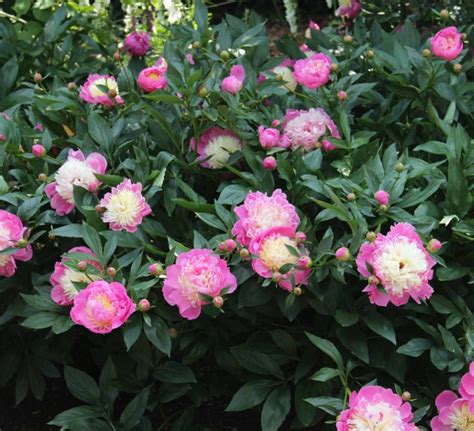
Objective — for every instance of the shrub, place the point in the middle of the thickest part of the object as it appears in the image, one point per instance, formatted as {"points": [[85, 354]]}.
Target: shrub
{"points": [[209, 229]]}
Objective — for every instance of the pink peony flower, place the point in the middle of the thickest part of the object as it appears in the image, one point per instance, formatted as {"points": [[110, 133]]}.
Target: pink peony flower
{"points": [[306, 128], [271, 249], [38, 150], [376, 408], [196, 273], [76, 171], [269, 137], [234, 82], [11, 231], [382, 197], [260, 212], [137, 43], [327, 145], [63, 278], [447, 43], [97, 88], [153, 78], [401, 264], [348, 9], [269, 163], [215, 146], [102, 307], [125, 207], [313, 72], [454, 414], [466, 386]]}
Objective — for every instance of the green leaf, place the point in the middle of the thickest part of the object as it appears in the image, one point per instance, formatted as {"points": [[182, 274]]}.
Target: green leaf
{"points": [[99, 130], [68, 417], [329, 405], [69, 231], [276, 408], [325, 374], [29, 208], [380, 325], [135, 409], [200, 15], [257, 362], [158, 335], [92, 239], [81, 385], [212, 220], [415, 347], [175, 372], [40, 320], [250, 395], [458, 197], [132, 330], [328, 348], [109, 180]]}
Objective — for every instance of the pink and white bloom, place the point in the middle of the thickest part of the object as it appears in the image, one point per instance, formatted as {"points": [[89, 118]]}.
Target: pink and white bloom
{"points": [[234, 82], [313, 72], [454, 414], [287, 76], [76, 171], [153, 78], [400, 263], [125, 207], [215, 146], [102, 307], [260, 212], [63, 278], [306, 129], [271, 249], [466, 385], [378, 409], [137, 43], [11, 231], [382, 197], [348, 9], [97, 88], [447, 43], [196, 273]]}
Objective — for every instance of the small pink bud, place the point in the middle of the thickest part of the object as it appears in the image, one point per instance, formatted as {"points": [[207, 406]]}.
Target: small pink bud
{"points": [[2, 137], [371, 236], [111, 271], [276, 123], [218, 301], [143, 305], [327, 146], [434, 245], [300, 237], [38, 150], [342, 96], [244, 253], [406, 396], [382, 197], [304, 262], [93, 187], [156, 269], [82, 265], [269, 163], [221, 247], [343, 254], [230, 245]]}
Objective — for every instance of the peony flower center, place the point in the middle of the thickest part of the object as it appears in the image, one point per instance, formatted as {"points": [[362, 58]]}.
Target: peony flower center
{"points": [[400, 264], [123, 207], [462, 419], [274, 252], [73, 172], [4, 259], [449, 42], [5, 241], [153, 75], [70, 277], [265, 216], [219, 150], [376, 417], [100, 311], [104, 82]]}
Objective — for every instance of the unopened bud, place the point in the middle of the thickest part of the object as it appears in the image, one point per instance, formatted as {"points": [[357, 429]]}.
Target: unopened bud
{"points": [[426, 53], [399, 167], [444, 13], [457, 68], [37, 77], [218, 301], [230, 244], [276, 277], [144, 305], [304, 262], [38, 150], [269, 163], [342, 96], [300, 237], [72, 86], [224, 55], [370, 53], [371, 236], [351, 197], [343, 254], [297, 291], [82, 265], [348, 38], [22, 243], [111, 271], [156, 269], [406, 396], [464, 36], [173, 332], [334, 67], [383, 208], [2, 137], [51, 236], [196, 44], [99, 209], [203, 92], [434, 245], [42, 177], [244, 253], [382, 197], [117, 56]]}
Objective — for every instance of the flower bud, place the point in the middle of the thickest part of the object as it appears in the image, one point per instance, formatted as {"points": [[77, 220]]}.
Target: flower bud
{"points": [[300, 237], [383, 208], [348, 38], [382, 197], [464, 36], [434, 245], [457, 68], [82, 265], [93, 187], [399, 167], [156, 269], [218, 301], [269, 163], [99, 209], [343, 254], [276, 123], [38, 150], [117, 56], [2, 137], [244, 253], [444, 13], [72, 86], [371, 236], [111, 271], [297, 291], [279, 77], [37, 77], [406, 396], [230, 244], [370, 53], [173, 332], [51, 236], [196, 44], [426, 53], [334, 67], [42, 177], [224, 55], [203, 92], [351, 197], [276, 277], [342, 96], [304, 262], [112, 93], [143, 305], [22, 243]]}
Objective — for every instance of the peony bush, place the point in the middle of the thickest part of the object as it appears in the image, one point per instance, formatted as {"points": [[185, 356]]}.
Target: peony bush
{"points": [[197, 234]]}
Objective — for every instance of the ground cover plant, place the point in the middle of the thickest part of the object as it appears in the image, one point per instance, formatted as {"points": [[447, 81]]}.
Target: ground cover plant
{"points": [[197, 234]]}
